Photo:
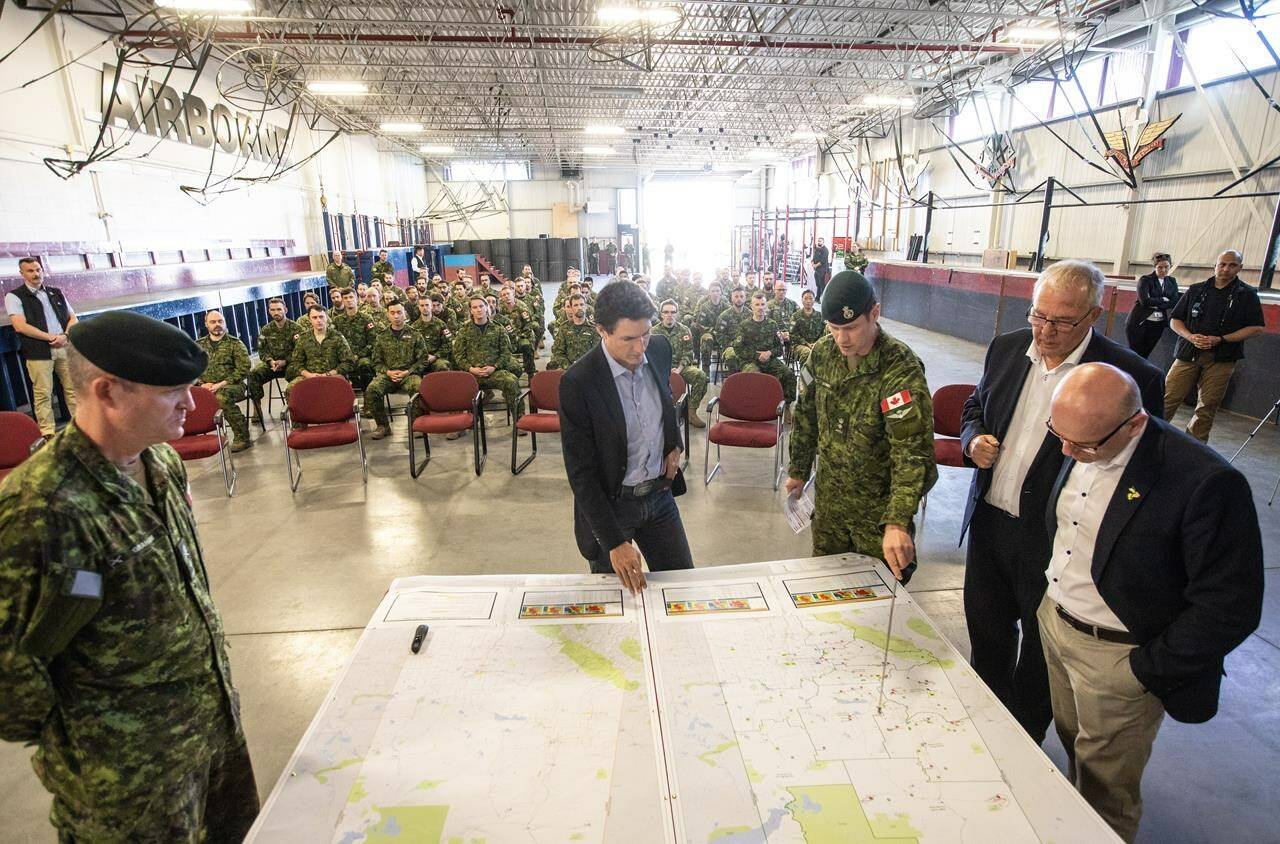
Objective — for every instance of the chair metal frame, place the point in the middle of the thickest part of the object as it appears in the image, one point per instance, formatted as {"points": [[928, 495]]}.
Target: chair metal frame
{"points": [[706, 452], [273, 389], [479, 436], [291, 455], [229, 474]]}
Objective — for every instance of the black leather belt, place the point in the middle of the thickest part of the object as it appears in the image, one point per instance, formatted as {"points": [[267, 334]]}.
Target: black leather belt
{"points": [[640, 490], [1102, 633]]}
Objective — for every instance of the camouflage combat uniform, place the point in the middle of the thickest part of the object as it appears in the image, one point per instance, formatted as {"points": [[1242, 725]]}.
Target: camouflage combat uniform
{"points": [[703, 324], [332, 353], [383, 270], [781, 311], [755, 337], [340, 275], [806, 329], [521, 333], [112, 655], [403, 349], [682, 360], [359, 330], [438, 339], [275, 342], [572, 342], [875, 461], [228, 361], [489, 345]]}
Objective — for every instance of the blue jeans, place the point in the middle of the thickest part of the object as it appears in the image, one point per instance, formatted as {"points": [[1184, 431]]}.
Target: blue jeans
{"points": [[654, 523]]}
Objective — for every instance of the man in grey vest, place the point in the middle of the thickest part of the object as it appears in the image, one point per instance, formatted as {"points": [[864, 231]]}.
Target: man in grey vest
{"points": [[41, 316]]}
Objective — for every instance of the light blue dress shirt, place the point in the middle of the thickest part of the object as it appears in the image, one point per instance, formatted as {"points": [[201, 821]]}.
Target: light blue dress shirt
{"points": [[642, 409]]}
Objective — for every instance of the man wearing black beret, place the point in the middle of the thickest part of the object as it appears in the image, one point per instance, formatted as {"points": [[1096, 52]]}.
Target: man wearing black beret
{"points": [[867, 414], [113, 661]]}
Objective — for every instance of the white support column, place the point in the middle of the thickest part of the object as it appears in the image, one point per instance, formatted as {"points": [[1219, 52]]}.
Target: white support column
{"points": [[56, 34]]}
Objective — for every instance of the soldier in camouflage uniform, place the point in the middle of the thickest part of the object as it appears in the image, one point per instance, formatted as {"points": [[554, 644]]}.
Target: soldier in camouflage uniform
{"points": [[807, 328], [225, 374], [436, 335], [113, 659], [412, 299], [682, 358], [275, 345], [868, 419], [781, 307], [521, 322], [382, 268], [457, 311], [319, 351], [727, 328], [399, 359], [576, 337], [758, 348], [308, 299], [339, 274], [358, 328], [483, 349], [372, 307], [702, 322]]}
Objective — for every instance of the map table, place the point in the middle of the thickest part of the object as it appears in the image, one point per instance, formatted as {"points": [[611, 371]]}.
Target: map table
{"points": [[733, 704]]}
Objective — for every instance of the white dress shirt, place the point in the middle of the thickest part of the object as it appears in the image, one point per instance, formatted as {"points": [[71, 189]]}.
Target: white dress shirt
{"points": [[1026, 429], [1086, 494]]}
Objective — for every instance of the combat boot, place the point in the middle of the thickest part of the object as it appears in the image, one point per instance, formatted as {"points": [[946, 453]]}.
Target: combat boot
{"points": [[695, 420], [241, 445], [383, 430]]}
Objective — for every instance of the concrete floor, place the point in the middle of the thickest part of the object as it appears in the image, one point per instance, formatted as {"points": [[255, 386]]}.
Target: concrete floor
{"points": [[297, 577]]}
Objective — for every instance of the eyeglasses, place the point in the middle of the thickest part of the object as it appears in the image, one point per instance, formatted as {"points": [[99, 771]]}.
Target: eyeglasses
{"points": [[1041, 321], [1089, 449]]}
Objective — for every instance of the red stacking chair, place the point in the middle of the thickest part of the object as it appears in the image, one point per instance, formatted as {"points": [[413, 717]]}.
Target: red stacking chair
{"points": [[447, 402], [19, 436], [543, 416], [326, 408], [753, 404], [680, 397], [948, 410], [205, 434]]}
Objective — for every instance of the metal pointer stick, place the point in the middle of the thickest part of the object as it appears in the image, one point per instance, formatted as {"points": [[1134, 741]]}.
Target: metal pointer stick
{"points": [[888, 634]]}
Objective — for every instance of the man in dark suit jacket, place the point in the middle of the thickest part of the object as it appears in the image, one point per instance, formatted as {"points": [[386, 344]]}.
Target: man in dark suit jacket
{"points": [[621, 445], [1155, 575], [1004, 436]]}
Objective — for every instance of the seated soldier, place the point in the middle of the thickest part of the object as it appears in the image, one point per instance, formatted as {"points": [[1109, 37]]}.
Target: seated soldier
{"points": [[781, 307], [372, 306], [807, 328], [457, 310], [335, 301], [423, 286], [702, 322], [517, 316], [382, 268], [411, 299], [360, 291], [308, 299], [483, 349], [224, 375], [358, 329], [759, 349], [319, 351], [399, 359], [576, 336], [727, 328], [275, 345], [486, 287], [683, 358], [435, 334]]}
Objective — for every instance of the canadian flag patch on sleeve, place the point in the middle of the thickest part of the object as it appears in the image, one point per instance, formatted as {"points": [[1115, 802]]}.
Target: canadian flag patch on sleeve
{"points": [[895, 401]]}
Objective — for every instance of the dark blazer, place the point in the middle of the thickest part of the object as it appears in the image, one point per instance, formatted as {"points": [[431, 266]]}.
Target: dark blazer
{"points": [[990, 411], [1153, 296], [593, 433], [1178, 559]]}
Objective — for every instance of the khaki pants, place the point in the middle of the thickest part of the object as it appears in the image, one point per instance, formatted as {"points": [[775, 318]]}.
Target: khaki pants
{"points": [[41, 373], [1106, 720], [1213, 377]]}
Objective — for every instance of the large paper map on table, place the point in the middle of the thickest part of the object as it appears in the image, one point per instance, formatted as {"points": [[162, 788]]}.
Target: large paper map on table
{"points": [[729, 704]]}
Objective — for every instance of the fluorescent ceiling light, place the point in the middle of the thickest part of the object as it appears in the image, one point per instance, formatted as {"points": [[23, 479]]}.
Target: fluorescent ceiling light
{"points": [[615, 91], [401, 127], [602, 129], [634, 14], [219, 6], [336, 87], [1036, 33], [435, 149], [804, 133], [763, 154], [597, 150], [882, 100]]}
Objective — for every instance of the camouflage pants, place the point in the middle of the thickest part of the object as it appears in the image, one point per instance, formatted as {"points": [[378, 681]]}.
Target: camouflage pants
{"points": [[697, 381], [778, 369], [375, 395], [214, 803], [229, 398], [259, 376], [439, 365], [844, 523], [525, 351], [507, 384], [361, 374], [706, 345]]}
